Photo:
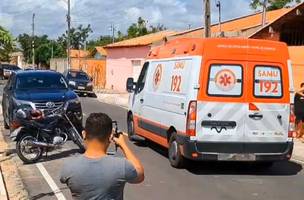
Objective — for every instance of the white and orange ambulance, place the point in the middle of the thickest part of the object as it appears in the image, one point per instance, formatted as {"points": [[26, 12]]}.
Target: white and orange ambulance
{"points": [[215, 99]]}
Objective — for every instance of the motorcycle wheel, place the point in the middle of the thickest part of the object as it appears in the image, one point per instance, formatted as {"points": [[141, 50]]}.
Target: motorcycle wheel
{"points": [[27, 153]]}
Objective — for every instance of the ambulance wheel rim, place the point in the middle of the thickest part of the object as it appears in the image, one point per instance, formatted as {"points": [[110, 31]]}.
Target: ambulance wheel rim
{"points": [[173, 150]]}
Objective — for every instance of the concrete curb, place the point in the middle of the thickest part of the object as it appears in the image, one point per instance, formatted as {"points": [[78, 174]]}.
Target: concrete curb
{"points": [[3, 190], [14, 187]]}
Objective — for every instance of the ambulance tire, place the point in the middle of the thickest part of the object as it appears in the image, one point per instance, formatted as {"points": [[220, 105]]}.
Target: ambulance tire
{"points": [[175, 156], [130, 124]]}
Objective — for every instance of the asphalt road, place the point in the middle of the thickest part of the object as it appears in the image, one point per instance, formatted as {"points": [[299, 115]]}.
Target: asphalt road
{"points": [[212, 181]]}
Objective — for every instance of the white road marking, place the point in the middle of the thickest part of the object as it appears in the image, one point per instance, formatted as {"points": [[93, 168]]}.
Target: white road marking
{"points": [[50, 181], [3, 195]]}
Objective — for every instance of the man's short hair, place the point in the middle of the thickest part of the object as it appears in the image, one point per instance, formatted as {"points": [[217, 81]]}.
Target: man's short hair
{"points": [[302, 84], [98, 126]]}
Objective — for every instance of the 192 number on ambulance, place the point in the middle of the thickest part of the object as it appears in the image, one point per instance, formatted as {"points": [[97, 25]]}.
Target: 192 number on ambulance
{"points": [[176, 83], [268, 86]]}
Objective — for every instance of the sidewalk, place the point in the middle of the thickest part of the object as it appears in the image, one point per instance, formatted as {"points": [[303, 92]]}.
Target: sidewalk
{"points": [[298, 151], [114, 98]]}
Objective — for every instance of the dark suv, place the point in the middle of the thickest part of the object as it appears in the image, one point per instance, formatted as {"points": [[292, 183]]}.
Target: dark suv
{"points": [[42, 90], [79, 81]]}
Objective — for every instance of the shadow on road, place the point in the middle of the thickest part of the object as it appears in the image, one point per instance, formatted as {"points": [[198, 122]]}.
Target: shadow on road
{"points": [[282, 168], [43, 195]]}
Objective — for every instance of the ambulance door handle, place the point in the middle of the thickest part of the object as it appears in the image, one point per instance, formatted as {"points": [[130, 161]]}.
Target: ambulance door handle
{"points": [[256, 116], [141, 100]]}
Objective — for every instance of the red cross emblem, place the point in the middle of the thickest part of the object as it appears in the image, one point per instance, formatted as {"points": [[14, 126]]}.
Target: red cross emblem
{"points": [[157, 76], [225, 80]]}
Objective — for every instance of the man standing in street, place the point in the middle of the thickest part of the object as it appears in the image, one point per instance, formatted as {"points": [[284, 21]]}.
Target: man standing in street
{"points": [[299, 111], [95, 175]]}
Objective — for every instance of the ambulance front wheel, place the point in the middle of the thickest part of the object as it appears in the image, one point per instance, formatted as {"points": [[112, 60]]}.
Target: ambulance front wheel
{"points": [[130, 123], [176, 158]]}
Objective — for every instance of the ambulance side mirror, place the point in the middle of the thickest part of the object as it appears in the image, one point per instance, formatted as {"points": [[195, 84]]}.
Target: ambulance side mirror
{"points": [[130, 85]]}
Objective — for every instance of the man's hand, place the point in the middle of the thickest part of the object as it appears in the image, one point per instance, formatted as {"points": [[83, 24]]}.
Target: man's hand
{"points": [[130, 156], [120, 141]]}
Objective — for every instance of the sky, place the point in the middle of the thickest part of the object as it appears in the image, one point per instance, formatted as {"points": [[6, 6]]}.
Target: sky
{"points": [[16, 15]]}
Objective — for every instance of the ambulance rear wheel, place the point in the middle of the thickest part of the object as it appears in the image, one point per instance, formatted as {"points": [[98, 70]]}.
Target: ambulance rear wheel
{"points": [[176, 158]]}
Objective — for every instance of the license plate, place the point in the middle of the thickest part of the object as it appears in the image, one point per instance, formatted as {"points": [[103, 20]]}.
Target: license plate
{"points": [[81, 88], [236, 157]]}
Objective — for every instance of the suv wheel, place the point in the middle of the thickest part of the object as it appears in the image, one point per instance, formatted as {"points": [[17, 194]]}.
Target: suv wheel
{"points": [[176, 158]]}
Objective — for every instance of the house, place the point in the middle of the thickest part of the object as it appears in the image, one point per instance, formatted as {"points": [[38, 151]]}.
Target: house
{"points": [[286, 25], [125, 58], [17, 58], [93, 63]]}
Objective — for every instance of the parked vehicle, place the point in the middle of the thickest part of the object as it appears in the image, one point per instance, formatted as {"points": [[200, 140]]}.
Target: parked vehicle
{"points": [[42, 90], [216, 99], [42, 131], [79, 81], [7, 69]]}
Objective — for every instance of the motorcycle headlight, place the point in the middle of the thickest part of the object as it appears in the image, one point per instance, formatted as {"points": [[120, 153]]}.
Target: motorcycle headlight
{"points": [[73, 83]]}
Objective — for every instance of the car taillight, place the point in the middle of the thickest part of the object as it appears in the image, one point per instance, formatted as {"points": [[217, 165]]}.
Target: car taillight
{"points": [[191, 119], [292, 122]]}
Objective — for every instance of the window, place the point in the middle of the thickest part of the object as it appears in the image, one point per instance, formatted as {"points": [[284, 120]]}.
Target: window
{"points": [[225, 80], [267, 82], [142, 78], [77, 75], [40, 81]]}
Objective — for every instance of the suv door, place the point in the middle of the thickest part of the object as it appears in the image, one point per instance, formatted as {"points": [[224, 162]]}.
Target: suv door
{"points": [[267, 120], [7, 93]]}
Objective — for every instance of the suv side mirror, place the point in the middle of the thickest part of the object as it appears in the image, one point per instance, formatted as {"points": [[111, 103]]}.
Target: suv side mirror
{"points": [[130, 85]]}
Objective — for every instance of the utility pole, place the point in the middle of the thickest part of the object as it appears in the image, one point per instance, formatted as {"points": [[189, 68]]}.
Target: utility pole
{"points": [[69, 34], [113, 29], [218, 4], [33, 40], [207, 18], [265, 2]]}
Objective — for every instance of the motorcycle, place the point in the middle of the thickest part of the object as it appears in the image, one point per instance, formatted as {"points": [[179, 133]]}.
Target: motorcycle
{"points": [[37, 132]]}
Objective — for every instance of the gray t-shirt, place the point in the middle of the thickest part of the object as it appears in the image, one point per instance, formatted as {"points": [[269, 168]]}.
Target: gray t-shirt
{"points": [[97, 179]]}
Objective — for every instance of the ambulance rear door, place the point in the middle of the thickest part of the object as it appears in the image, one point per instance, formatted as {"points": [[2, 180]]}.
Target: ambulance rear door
{"points": [[267, 118]]}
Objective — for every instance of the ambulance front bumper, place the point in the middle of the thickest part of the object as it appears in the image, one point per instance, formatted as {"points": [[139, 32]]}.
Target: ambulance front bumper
{"points": [[234, 151]]}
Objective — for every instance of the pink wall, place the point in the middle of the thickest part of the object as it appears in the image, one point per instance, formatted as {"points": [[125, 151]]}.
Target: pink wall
{"points": [[119, 65]]}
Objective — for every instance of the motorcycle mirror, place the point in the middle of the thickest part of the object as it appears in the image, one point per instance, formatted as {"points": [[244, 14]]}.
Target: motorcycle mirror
{"points": [[20, 114]]}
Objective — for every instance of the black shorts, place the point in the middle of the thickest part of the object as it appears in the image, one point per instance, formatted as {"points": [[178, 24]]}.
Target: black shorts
{"points": [[299, 118]]}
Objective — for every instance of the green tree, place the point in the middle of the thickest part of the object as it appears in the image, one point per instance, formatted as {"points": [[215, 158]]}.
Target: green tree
{"points": [[44, 48], [138, 29], [272, 4], [78, 36], [101, 41], [7, 44]]}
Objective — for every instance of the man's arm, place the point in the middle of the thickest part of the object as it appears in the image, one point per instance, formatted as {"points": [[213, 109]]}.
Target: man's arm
{"points": [[301, 92], [130, 156]]}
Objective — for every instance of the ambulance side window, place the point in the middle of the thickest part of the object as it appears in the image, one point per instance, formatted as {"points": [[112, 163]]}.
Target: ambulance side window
{"points": [[268, 82], [225, 80], [142, 78]]}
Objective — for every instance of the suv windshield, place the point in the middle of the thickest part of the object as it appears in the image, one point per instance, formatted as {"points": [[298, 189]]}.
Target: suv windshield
{"points": [[40, 81], [78, 75]]}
